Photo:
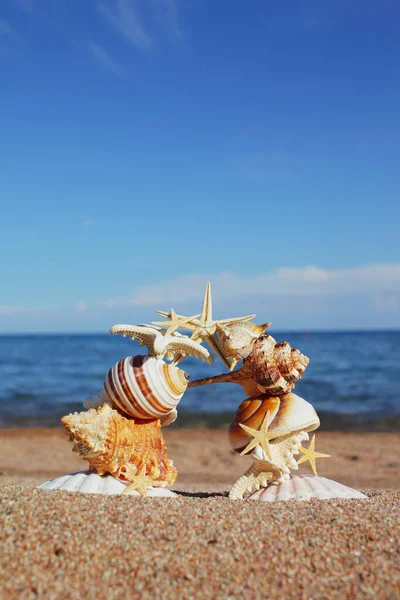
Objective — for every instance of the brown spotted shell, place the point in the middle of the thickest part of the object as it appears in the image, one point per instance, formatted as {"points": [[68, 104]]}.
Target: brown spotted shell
{"points": [[271, 369], [287, 414], [122, 447], [275, 366]]}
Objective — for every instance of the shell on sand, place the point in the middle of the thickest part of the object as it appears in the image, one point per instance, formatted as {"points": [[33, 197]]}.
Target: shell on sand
{"points": [[142, 387], [305, 487], [88, 482], [289, 413], [119, 446]]}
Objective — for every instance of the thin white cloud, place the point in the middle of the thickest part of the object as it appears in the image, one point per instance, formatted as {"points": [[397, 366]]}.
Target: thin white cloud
{"points": [[109, 64], [123, 16], [365, 297], [286, 281]]}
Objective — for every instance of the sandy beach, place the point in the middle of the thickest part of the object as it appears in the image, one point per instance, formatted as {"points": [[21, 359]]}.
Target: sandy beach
{"points": [[62, 545]]}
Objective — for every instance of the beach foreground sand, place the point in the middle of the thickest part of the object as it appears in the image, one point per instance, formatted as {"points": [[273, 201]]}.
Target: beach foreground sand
{"points": [[199, 545]]}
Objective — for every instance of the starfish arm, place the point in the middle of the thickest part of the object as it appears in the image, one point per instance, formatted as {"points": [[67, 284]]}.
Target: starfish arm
{"points": [[255, 434], [234, 319], [249, 430], [206, 311], [145, 335], [191, 325], [250, 446], [188, 346], [140, 483], [265, 447], [313, 466], [175, 321], [310, 455]]}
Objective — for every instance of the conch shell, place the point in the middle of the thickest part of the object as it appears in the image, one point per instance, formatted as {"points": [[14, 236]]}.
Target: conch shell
{"points": [[236, 340], [290, 419], [143, 387], [271, 368], [119, 446]]}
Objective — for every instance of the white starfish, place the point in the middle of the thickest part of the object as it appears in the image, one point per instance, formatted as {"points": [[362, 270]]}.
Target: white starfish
{"points": [[160, 345], [204, 328]]}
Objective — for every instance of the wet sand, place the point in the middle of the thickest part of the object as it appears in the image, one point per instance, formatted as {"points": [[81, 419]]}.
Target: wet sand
{"points": [[199, 545]]}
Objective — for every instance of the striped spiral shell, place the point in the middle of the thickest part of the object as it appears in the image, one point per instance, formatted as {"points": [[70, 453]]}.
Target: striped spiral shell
{"points": [[287, 414], [142, 387]]}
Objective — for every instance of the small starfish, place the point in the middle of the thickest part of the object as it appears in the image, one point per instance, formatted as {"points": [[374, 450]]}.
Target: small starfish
{"points": [[175, 322], [310, 455], [140, 483], [261, 437], [204, 328]]}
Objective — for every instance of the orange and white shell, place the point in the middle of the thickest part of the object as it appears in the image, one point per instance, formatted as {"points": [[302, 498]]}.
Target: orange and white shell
{"points": [[114, 444], [143, 387], [288, 414]]}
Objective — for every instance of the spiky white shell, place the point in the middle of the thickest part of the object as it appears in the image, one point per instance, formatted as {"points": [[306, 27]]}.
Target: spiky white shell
{"points": [[142, 387], [88, 482], [305, 487]]}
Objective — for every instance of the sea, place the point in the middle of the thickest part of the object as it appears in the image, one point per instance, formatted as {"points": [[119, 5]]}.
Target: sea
{"points": [[353, 379]]}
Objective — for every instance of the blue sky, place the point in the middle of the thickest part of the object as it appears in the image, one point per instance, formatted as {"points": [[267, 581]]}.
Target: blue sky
{"points": [[150, 146]]}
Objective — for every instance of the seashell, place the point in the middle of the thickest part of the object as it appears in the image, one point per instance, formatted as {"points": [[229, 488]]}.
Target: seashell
{"points": [[236, 340], [142, 387], [119, 446], [274, 442], [305, 487], [88, 482], [271, 368], [288, 414]]}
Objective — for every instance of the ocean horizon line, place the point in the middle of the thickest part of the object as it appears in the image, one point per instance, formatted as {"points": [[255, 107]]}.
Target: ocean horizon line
{"points": [[290, 331]]}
